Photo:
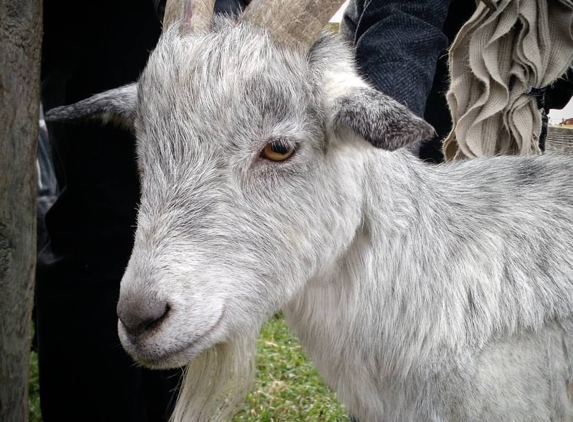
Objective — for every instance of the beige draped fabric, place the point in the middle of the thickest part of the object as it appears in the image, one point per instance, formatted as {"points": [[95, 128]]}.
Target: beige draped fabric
{"points": [[494, 61]]}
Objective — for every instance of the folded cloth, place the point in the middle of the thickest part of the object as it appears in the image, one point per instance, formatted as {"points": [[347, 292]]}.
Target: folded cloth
{"points": [[500, 62]]}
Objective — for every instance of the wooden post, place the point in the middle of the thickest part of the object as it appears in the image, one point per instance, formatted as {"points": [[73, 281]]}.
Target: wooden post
{"points": [[20, 44]]}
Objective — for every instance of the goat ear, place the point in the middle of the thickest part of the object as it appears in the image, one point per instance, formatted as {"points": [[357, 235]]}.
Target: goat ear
{"points": [[379, 119], [113, 106]]}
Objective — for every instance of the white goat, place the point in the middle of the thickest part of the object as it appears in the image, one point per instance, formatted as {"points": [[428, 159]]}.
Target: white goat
{"points": [[421, 293]]}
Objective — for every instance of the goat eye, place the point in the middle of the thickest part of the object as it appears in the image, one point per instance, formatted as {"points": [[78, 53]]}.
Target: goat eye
{"points": [[278, 151]]}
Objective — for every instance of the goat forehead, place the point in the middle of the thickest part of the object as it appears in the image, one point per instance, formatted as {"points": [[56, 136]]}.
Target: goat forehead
{"points": [[203, 97], [196, 73]]}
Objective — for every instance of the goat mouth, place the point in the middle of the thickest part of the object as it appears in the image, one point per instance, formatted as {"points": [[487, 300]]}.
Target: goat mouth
{"points": [[182, 355]]}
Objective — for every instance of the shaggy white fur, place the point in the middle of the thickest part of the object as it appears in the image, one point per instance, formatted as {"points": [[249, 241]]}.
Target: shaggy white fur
{"points": [[421, 293]]}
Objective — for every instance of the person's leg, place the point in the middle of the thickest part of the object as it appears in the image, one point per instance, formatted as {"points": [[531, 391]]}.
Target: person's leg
{"points": [[397, 44]]}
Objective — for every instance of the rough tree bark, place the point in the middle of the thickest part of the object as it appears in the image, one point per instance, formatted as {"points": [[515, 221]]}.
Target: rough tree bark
{"points": [[20, 43]]}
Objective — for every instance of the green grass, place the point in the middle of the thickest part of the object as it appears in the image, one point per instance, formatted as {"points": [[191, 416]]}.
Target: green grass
{"points": [[35, 415], [287, 387]]}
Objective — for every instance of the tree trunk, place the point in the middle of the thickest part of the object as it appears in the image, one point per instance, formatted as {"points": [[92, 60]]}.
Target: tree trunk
{"points": [[20, 43]]}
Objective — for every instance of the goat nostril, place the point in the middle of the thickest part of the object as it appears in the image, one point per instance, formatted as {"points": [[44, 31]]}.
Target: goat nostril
{"points": [[140, 318]]}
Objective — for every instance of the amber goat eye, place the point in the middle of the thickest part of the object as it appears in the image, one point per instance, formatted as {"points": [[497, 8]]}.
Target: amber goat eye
{"points": [[278, 151]]}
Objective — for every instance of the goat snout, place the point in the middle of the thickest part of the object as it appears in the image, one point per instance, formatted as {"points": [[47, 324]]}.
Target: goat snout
{"points": [[140, 316]]}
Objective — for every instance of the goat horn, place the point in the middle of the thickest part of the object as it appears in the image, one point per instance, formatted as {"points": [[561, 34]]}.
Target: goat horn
{"points": [[195, 15], [292, 21]]}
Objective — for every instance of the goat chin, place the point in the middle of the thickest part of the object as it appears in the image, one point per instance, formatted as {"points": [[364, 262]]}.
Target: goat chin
{"points": [[216, 383]]}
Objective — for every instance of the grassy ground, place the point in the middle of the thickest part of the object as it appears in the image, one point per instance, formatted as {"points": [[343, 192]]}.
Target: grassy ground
{"points": [[34, 390], [287, 388]]}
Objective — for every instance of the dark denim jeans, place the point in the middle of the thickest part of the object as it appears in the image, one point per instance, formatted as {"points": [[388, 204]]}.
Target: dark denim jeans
{"points": [[401, 49]]}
